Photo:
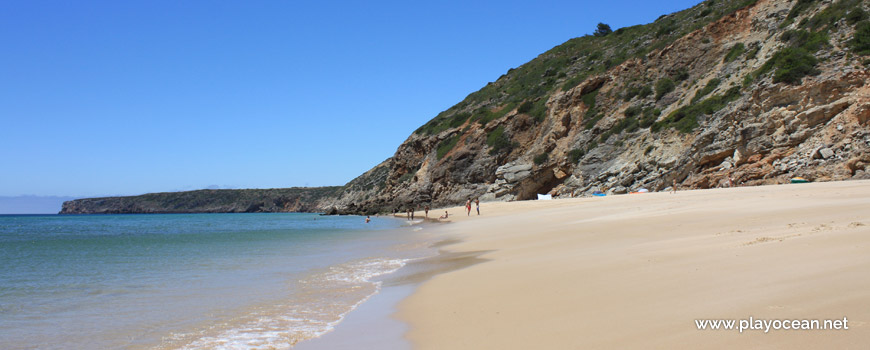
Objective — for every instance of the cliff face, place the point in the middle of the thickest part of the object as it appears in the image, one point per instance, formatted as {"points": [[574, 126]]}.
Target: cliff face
{"points": [[764, 92], [754, 91]]}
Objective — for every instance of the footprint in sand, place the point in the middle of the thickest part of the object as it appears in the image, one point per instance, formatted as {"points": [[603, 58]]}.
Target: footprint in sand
{"points": [[771, 239], [796, 224], [760, 240], [822, 227], [856, 224]]}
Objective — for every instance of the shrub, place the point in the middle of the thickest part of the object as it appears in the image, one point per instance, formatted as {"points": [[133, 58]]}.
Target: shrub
{"points": [[498, 141], [458, 119], [861, 40], [735, 52], [592, 116], [574, 81], [591, 120], [753, 51], [644, 91], [632, 111], [485, 115], [855, 16], [539, 110], [685, 119], [748, 79], [796, 61], [666, 28], [809, 41], [791, 65], [594, 55], [798, 8], [446, 145], [541, 158], [575, 154], [833, 13], [525, 107], [589, 99], [592, 145], [634, 90], [682, 74], [649, 117], [664, 86], [630, 93], [707, 89], [626, 124]]}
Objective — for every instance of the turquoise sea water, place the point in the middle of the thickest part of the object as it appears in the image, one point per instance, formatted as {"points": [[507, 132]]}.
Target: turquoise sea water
{"points": [[188, 281]]}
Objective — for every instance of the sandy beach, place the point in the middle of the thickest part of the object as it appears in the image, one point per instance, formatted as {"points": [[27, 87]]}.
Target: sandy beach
{"points": [[637, 271]]}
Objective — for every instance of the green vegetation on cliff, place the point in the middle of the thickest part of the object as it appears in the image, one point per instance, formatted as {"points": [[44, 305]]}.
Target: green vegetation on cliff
{"points": [[797, 59], [446, 145], [569, 64], [685, 119], [297, 199]]}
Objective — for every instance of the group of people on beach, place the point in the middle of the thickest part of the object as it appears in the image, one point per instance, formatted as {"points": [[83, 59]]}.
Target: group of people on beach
{"points": [[410, 210], [468, 206]]}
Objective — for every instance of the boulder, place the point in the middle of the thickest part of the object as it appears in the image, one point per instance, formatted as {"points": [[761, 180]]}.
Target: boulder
{"points": [[512, 168], [516, 177], [822, 152]]}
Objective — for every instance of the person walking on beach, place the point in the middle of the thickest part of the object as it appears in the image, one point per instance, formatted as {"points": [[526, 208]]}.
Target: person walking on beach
{"points": [[413, 209], [426, 210], [674, 186], [468, 207], [477, 205]]}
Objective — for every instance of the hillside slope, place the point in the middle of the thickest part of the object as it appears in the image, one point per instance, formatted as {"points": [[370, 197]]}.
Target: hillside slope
{"points": [[757, 91], [208, 201]]}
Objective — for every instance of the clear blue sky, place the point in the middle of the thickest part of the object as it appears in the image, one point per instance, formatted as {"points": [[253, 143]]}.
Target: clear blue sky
{"points": [[129, 97]]}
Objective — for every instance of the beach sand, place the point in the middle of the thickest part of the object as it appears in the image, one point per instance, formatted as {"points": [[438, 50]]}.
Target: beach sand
{"points": [[636, 271]]}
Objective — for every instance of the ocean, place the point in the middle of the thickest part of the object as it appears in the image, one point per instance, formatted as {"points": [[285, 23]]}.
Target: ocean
{"points": [[190, 281]]}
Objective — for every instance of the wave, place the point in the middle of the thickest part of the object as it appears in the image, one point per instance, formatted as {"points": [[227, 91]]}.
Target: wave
{"points": [[317, 304]]}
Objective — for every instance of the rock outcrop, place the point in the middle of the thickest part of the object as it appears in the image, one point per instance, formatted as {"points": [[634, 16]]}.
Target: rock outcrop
{"points": [[702, 109]]}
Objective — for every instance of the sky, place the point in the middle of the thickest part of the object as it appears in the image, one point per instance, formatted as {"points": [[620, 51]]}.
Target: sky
{"points": [[128, 97]]}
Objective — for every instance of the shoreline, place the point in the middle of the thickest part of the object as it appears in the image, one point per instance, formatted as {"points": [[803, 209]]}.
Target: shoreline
{"points": [[636, 271], [373, 324]]}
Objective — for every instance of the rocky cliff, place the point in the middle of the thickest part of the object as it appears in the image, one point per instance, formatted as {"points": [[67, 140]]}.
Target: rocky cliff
{"points": [[754, 92]]}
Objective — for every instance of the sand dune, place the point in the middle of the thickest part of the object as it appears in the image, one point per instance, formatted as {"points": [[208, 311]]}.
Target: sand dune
{"points": [[636, 271]]}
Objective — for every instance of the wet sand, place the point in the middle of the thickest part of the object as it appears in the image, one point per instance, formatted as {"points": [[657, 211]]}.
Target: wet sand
{"points": [[636, 271], [373, 324]]}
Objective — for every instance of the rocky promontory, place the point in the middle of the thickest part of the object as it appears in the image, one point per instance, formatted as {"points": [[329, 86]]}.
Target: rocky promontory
{"points": [[208, 201]]}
